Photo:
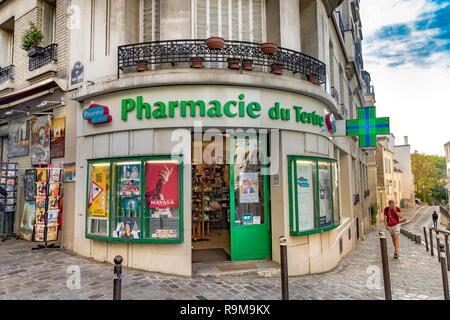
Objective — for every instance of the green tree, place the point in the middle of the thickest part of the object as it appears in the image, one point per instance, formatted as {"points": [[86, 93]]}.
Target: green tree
{"points": [[429, 176]]}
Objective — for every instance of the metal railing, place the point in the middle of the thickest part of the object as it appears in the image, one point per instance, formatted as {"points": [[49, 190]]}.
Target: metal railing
{"points": [[345, 112], [366, 193], [6, 73], [47, 56], [182, 51], [335, 94], [356, 199], [341, 25]]}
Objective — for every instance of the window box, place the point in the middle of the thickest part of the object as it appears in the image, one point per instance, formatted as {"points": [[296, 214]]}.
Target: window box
{"points": [[138, 199], [313, 195]]}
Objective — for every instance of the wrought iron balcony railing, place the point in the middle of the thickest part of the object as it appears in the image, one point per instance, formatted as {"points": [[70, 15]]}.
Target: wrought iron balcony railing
{"points": [[182, 51], [345, 112], [341, 25], [356, 199], [335, 94], [6, 73], [366, 193], [47, 56]]}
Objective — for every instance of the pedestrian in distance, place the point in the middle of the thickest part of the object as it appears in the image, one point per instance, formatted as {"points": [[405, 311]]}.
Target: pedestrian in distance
{"points": [[435, 219], [392, 216]]}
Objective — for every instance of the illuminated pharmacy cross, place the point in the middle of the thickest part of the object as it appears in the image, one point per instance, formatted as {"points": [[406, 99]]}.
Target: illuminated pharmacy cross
{"points": [[367, 127]]}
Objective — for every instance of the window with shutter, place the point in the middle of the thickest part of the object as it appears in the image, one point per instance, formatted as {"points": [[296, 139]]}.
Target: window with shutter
{"points": [[230, 19], [150, 24]]}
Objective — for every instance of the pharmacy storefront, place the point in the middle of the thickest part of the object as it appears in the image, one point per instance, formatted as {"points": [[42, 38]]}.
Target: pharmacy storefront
{"points": [[172, 176]]}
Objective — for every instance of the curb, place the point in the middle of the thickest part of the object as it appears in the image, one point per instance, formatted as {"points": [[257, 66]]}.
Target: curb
{"points": [[414, 217]]}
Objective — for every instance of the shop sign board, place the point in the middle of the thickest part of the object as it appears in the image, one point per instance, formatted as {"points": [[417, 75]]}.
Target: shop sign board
{"points": [[214, 105]]}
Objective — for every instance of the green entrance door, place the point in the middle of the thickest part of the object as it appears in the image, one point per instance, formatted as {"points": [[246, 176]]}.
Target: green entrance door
{"points": [[249, 199]]}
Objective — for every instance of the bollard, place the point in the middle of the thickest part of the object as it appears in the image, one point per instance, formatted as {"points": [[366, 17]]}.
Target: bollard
{"points": [[444, 271], [431, 242], [418, 239], [438, 243], [284, 269], [385, 262], [447, 252], [426, 239], [117, 293]]}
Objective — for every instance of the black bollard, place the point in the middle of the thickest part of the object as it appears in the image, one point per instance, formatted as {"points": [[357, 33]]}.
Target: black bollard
{"points": [[117, 294], [438, 243], [426, 239], [447, 252], [385, 262], [284, 269], [444, 271], [431, 242]]}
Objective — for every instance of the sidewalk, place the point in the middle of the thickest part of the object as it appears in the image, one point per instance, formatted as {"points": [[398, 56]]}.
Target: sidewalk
{"points": [[42, 276]]}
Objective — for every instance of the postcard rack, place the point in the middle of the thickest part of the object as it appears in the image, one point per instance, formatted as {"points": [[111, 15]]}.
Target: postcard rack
{"points": [[8, 181]]}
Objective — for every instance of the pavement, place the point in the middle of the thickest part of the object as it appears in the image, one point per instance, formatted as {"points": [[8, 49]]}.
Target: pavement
{"points": [[52, 275]]}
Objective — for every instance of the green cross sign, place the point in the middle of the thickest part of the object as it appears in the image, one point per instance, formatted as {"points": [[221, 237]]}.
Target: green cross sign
{"points": [[367, 127]]}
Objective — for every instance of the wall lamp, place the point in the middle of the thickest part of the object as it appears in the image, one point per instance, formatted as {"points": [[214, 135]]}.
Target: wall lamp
{"points": [[44, 104]]}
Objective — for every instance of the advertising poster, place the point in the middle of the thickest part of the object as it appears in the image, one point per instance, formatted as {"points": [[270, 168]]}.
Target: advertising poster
{"points": [[162, 185], [305, 194], [130, 180], [58, 137], [27, 222], [326, 211], [248, 187], [19, 138], [40, 140], [70, 170], [98, 205], [130, 207]]}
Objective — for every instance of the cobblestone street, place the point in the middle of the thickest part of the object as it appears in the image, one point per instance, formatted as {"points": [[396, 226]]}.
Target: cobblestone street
{"points": [[42, 275]]}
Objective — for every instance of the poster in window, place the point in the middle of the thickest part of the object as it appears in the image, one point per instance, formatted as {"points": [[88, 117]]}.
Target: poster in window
{"points": [[305, 194], [40, 140], [98, 205], [248, 187], [27, 222], [58, 145], [162, 185], [130, 207], [326, 211], [130, 180], [19, 138]]}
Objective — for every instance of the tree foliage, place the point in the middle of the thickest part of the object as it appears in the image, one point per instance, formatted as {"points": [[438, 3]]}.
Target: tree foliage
{"points": [[429, 176]]}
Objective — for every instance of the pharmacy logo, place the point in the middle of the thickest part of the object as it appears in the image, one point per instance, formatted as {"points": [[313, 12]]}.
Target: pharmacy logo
{"points": [[97, 114], [303, 182], [367, 127]]}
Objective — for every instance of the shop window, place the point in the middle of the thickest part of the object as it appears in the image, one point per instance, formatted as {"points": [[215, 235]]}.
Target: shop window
{"points": [[145, 198], [313, 195]]}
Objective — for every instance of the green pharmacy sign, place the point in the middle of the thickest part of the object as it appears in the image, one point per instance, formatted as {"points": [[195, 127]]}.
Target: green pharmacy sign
{"points": [[367, 127]]}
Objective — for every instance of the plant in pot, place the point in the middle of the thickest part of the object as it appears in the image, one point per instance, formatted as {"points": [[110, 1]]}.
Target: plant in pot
{"points": [[275, 68], [269, 48], [313, 79], [233, 63], [215, 43], [31, 40], [197, 62], [247, 65], [142, 65]]}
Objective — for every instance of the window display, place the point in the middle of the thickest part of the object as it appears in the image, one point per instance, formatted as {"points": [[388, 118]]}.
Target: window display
{"points": [[145, 200], [313, 195]]}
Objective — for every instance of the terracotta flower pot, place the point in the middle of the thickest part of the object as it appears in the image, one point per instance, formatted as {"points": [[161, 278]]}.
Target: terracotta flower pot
{"points": [[313, 79], [215, 43], [233, 63], [142, 66], [276, 69], [197, 62], [269, 48], [247, 65]]}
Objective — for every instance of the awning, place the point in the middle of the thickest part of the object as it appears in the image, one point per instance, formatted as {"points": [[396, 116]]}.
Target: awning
{"points": [[27, 92]]}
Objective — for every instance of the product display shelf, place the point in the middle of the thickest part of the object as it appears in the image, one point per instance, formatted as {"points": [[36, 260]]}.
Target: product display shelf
{"points": [[9, 173]]}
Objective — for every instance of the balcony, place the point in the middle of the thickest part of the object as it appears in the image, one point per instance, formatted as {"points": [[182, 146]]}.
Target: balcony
{"points": [[6, 74], [47, 56], [366, 193], [335, 95], [183, 51], [356, 199], [345, 112]]}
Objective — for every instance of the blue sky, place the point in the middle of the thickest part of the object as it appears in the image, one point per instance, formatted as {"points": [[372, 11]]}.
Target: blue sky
{"points": [[407, 52]]}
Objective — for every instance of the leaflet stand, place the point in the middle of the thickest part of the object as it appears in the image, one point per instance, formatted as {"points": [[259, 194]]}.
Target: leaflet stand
{"points": [[46, 245]]}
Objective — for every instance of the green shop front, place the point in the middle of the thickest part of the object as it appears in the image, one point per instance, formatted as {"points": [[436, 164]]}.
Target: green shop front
{"points": [[169, 177]]}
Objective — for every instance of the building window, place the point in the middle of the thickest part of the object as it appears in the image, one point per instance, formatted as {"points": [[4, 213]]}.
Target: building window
{"points": [[150, 21], [135, 200], [7, 43], [48, 23], [313, 195], [241, 20]]}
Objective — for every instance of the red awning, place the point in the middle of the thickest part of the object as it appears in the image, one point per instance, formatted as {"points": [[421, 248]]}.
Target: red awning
{"points": [[22, 94]]}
